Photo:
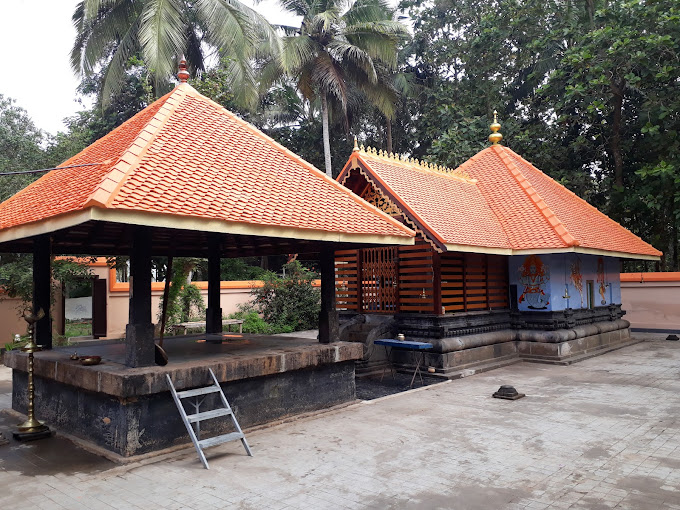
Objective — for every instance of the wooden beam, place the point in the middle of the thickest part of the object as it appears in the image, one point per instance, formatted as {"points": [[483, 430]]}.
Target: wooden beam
{"points": [[139, 344], [329, 329], [42, 288]]}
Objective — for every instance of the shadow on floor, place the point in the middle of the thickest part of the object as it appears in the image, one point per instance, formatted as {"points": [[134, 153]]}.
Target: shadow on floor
{"points": [[371, 387], [49, 456]]}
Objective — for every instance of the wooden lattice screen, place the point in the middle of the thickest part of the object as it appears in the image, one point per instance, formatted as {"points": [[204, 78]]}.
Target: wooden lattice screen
{"points": [[416, 278], [379, 280], [346, 280], [474, 281], [469, 281]]}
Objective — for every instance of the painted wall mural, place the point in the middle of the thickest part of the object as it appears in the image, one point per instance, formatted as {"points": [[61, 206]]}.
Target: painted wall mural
{"points": [[557, 281], [534, 276], [601, 281], [577, 277]]}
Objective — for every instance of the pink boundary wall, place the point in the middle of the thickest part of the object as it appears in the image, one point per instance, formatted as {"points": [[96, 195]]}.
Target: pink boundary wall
{"points": [[651, 300]]}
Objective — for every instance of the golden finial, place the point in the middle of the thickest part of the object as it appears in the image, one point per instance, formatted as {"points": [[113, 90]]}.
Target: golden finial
{"points": [[356, 145], [495, 136]]}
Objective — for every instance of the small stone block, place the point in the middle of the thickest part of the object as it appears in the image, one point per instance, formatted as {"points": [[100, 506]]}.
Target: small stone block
{"points": [[507, 392], [3, 440], [506, 397], [32, 436]]}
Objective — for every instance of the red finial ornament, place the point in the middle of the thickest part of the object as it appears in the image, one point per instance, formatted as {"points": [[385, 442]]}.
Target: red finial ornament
{"points": [[183, 74]]}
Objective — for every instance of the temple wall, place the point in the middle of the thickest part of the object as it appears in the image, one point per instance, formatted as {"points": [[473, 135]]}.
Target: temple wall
{"points": [[543, 279]]}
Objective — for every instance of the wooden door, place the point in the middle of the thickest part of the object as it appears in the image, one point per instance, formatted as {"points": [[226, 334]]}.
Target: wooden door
{"points": [[98, 308]]}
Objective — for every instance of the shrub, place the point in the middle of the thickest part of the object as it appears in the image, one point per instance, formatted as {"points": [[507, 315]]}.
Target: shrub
{"points": [[289, 303]]}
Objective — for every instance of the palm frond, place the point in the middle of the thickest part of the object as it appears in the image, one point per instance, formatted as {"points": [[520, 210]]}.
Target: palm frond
{"points": [[350, 54], [378, 46], [243, 82], [297, 52], [382, 96], [91, 8], [299, 7], [328, 76], [193, 51], [322, 22], [114, 77], [161, 36], [236, 29], [367, 11]]}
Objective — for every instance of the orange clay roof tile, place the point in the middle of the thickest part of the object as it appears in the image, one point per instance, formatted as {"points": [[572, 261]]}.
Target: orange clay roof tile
{"points": [[186, 155], [450, 207], [505, 202]]}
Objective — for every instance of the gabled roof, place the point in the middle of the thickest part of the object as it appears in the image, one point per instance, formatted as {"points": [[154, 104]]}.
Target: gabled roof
{"points": [[186, 162], [496, 202]]}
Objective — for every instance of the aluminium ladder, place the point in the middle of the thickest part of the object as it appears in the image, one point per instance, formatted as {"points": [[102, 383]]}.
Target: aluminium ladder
{"points": [[198, 417]]}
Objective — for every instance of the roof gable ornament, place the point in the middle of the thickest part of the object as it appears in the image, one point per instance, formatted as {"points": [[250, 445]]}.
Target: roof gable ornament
{"points": [[495, 136], [421, 165], [183, 74]]}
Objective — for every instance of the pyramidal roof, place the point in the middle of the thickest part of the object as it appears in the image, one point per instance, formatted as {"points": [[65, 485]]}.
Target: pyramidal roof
{"points": [[496, 202], [187, 162]]}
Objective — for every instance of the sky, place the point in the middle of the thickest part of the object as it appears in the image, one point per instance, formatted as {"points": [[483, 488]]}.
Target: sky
{"points": [[36, 42]]}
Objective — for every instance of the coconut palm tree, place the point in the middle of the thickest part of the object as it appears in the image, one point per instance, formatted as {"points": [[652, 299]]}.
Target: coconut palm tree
{"points": [[109, 32], [334, 50]]}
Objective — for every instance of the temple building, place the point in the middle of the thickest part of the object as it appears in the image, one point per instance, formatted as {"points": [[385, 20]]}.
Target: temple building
{"points": [[507, 263], [185, 178]]}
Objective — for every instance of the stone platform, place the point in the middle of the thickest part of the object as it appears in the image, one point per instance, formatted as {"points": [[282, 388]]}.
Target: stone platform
{"points": [[452, 354], [129, 411]]}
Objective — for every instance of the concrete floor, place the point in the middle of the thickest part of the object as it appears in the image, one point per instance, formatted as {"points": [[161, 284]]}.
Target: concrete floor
{"points": [[603, 433]]}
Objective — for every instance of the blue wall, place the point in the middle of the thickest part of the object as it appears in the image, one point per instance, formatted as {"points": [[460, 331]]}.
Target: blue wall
{"points": [[543, 279]]}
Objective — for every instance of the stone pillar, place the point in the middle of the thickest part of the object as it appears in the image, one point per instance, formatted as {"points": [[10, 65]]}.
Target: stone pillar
{"points": [[213, 314], [329, 330], [42, 288], [139, 344]]}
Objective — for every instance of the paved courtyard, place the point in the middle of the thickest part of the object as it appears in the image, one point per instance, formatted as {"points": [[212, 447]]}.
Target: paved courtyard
{"points": [[604, 433]]}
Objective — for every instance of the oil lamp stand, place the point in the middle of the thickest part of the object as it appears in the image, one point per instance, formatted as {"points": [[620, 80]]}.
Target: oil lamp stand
{"points": [[31, 429]]}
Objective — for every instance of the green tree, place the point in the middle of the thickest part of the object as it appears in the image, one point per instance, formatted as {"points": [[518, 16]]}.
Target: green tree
{"points": [[332, 51], [109, 32], [21, 148]]}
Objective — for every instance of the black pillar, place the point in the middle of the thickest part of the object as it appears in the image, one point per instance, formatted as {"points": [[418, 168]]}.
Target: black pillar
{"points": [[328, 317], [139, 344], [42, 288], [213, 315]]}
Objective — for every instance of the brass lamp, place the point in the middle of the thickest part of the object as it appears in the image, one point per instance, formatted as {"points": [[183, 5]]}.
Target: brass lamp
{"points": [[31, 428]]}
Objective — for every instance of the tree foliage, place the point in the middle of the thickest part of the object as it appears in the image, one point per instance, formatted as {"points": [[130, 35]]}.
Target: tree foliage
{"points": [[586, 90], [110, 32]]}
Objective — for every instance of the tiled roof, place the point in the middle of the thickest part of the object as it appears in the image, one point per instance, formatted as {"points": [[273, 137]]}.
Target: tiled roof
{"points": [[187, 156], [440, 201], [496, 199]]}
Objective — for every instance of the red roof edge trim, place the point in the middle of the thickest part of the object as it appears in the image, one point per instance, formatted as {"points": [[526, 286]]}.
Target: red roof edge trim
{"points": [[595, 209], [291, 155], [114, 180], [414, 219], [547, 213]]}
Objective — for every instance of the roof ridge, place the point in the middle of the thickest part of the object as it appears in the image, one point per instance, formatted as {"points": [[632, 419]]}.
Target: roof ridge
{"points": [[254, 130], [393, 157], [547, 213], [591, 206], [113, 181]]}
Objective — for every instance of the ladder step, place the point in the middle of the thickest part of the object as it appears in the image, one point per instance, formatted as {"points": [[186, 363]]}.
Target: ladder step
{"points": [[214, 441], [206, 415], [198, 391]]}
